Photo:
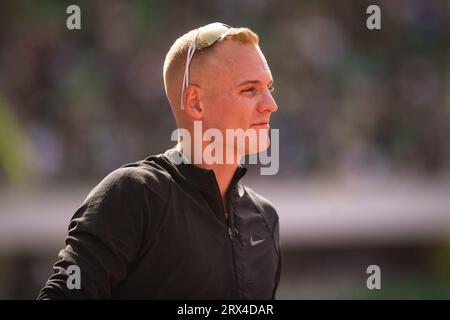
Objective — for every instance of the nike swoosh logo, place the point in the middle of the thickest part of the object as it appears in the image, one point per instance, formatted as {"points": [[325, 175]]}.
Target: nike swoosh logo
{"points": [[255, 242]]}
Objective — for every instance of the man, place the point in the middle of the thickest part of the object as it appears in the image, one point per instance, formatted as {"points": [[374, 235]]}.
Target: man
{"points": [[168, 228]]}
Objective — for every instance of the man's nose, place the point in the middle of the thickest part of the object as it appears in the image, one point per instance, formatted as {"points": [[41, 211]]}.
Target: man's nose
{"points": [[268, 103]]}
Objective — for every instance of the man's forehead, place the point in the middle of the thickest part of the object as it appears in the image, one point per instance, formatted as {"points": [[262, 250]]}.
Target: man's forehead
{"points": [[240, 61]]}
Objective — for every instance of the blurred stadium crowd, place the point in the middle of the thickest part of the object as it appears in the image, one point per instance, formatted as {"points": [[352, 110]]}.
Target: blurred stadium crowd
{"points": [[75, 105]]}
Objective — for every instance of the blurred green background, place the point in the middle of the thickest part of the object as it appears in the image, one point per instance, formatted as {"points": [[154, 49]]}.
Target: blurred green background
{"points": [[364, 119]]}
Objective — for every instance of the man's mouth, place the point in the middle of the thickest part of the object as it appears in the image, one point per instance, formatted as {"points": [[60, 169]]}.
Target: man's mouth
{"points": [[262, 124]]}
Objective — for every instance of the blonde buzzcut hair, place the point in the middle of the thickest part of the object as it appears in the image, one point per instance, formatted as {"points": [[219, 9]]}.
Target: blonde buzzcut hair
{"points": [[174, 63]]}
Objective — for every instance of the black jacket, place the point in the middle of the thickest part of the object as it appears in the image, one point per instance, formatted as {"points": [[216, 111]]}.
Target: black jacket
{"points": [[156, 230]]}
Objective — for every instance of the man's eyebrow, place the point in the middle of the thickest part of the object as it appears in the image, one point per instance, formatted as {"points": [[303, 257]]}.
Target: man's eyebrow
{"points": [[252, 82]]}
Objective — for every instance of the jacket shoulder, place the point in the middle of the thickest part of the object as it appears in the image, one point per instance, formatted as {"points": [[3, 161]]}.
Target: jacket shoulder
{"points": [[135, 176]]}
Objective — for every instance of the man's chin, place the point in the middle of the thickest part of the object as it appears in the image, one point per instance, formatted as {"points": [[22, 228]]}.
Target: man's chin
{"points": [[261, 147]]}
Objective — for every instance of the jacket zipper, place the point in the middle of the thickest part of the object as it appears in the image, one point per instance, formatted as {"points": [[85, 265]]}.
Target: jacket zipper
{"points": [[231, 226], [230, 235], [230, 223], [238, 236]]}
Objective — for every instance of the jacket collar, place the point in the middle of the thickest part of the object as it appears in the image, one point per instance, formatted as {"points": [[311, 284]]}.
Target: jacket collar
{"points": [[202, 179]]}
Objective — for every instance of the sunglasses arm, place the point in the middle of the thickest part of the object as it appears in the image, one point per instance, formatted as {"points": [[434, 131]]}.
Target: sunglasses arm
{"points": [[189, 56]]}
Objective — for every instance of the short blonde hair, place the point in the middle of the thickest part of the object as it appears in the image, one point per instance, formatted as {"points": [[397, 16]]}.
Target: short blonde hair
{"points": [[175, 61]]}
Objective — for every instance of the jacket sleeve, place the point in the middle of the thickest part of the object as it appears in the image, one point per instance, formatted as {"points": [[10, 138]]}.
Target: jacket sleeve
{"points": [[104, 236], [276, 237]]}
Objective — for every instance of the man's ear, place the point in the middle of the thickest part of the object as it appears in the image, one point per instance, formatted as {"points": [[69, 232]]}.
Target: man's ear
{"points": [[192, 105]]}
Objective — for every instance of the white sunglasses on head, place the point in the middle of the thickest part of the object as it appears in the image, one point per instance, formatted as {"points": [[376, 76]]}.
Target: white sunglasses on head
{"points": [[205, 37]]}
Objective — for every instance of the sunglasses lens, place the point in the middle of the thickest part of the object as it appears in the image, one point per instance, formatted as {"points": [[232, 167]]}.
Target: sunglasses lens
{"points": [[210, 34]]}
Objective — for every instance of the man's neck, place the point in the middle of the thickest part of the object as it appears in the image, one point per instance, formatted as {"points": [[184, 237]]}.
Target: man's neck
{"points": [[224, 174]]}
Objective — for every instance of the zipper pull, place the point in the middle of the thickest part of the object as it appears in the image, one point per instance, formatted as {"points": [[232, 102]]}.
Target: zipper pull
{"points": [[230, 233], [239, 236]]}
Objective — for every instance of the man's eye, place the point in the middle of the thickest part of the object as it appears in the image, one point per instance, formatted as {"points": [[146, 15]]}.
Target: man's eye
{"points": [[271, 89], [250, 89]]}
